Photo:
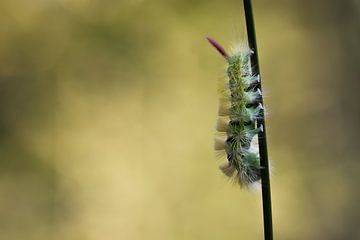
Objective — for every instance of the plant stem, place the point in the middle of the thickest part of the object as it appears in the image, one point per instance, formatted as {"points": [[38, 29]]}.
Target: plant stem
{"points": [[264, 162]]}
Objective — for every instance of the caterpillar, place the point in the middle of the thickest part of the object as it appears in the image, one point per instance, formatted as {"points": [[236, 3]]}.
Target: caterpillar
{"points": [[239, 109]]}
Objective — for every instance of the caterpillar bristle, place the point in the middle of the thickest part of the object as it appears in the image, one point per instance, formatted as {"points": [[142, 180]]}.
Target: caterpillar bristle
{"points": [[220, 154], [219, 143], [224, 107], [227, 169], [240, 48], [255, 186], [252, 97], [222, 124]]}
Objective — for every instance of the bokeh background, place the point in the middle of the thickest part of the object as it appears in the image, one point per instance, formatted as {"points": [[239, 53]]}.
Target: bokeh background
{"points": [[107, 112]]}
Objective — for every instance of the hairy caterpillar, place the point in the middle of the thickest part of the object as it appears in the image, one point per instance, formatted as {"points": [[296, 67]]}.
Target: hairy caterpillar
{"points": [[239, 108]]}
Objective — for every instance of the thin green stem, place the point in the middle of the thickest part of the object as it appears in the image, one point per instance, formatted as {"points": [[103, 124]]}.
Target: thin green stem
{"points": [[264, 162]]}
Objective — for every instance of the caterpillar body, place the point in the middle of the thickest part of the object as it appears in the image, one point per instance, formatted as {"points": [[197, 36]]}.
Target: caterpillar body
{"points": [[239, 109]]}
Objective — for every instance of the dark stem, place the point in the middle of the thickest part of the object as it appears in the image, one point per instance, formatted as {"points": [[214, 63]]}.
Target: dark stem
{"points": [[264, 162]]}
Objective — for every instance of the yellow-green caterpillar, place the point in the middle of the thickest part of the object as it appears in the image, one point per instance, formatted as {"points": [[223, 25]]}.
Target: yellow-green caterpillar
{"points": [[239, 108]]}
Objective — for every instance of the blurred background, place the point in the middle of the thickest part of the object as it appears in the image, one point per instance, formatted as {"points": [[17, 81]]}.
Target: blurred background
{"points": [[107, 114]]}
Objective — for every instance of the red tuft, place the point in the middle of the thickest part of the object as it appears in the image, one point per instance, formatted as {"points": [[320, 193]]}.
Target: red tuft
{"points": [[218, 47]]}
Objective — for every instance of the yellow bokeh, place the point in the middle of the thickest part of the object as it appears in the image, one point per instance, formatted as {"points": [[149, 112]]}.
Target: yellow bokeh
{"points": [[108, 108]]}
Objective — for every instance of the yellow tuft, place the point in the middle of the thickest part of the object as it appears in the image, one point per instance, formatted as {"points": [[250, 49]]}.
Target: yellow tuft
{"points": [[224, 107], [227, 169], [222, 124], [220, 142], [223, 89]]}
